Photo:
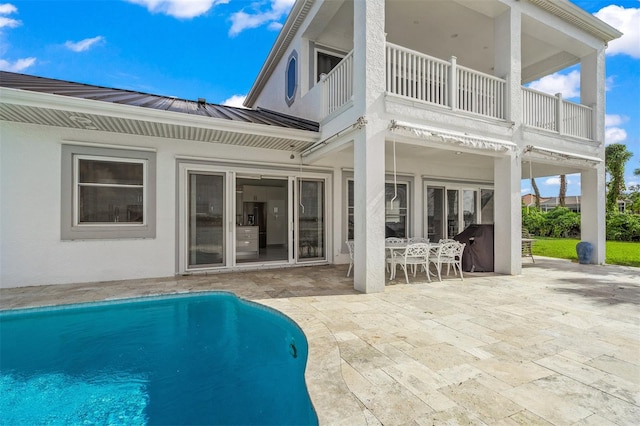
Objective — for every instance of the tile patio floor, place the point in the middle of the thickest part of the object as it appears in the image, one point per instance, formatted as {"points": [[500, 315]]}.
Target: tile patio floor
{"points": [[559, 344]]}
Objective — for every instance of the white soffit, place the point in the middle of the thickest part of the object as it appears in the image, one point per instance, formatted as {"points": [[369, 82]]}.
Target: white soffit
{"points": [[452, 138], [59, 111]]}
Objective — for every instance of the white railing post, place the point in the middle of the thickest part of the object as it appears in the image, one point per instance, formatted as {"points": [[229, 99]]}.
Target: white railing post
{"points": [[559, 114], [594, 125], [453, 84]]}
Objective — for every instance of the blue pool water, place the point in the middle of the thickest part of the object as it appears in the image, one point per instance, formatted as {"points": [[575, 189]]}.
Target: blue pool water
{"points": [[204, 359]]}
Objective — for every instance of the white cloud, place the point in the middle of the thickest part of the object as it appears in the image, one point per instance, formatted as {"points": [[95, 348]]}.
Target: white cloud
{"points": [[82, 45], [274, 26], [18, 65], [242, 20], [552, 181], [571, 179], [9, 23], [182, 9], [8, 9], [614, 120], [567, 84], [626, 21], [614, 135], [235, 101]]}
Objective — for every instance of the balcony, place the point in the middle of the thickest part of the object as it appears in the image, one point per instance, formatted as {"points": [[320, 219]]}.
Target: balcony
{"points": [[445, 84]]}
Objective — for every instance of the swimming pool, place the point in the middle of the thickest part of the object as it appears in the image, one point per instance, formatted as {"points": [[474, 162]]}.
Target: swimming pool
{"points": [[199, 359]]}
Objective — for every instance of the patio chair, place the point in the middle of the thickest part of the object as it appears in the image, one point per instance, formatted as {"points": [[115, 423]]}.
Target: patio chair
{"points": [[390, 242], [414, 255], [449, 253], [350, 247], [414, 240], [527, 245]]}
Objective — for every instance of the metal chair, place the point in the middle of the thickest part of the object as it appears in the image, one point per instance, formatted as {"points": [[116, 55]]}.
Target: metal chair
{"points": [[413, 255], [392, 242], [449, 253], [414, 240], [350, 247]]}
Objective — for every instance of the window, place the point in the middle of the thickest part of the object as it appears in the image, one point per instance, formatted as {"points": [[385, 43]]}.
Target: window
{"points": [[291, 78], [450, 210], [325, 62], [395, 222], [107, 193]]}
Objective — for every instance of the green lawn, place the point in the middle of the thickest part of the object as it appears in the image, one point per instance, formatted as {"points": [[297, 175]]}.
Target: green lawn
{"points": [[618, 252]]}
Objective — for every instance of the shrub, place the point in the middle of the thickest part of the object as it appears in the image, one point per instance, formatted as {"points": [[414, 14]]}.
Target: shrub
{"points": [[562, 223], [623, 226], [533, 220]]}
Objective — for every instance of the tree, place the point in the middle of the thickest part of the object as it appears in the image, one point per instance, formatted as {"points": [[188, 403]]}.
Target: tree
{"points": [[563, 190], [616, 156], [536, 192]]}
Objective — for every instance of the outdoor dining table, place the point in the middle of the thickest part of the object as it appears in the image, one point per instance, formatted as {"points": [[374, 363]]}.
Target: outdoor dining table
{"points": [[395, 248]]}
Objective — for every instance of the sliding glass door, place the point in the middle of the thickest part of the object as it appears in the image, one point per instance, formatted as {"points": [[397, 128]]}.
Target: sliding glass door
{"points": [[311, 220], [450, 210], [229, 219], [205, 220]]}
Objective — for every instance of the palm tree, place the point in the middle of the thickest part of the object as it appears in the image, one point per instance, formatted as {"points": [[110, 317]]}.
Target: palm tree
{"points": [[616, 156], [563, 190]]}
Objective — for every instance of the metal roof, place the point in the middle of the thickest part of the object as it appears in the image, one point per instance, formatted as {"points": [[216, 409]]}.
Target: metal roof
{"points": [[145, 100]]}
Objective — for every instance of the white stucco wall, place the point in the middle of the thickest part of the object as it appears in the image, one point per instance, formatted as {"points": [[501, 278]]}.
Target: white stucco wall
{"points": [[31, 250]]}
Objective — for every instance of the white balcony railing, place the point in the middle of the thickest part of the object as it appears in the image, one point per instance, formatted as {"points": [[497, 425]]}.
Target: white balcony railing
{"points": [[419, 77], [553, 113], [337, 85], [424, 78]]}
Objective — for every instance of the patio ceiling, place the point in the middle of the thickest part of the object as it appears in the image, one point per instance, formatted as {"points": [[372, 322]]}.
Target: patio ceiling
{"points": [[464, 29]]}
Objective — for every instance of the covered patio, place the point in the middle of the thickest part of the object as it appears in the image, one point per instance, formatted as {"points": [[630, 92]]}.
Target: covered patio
{"points": [[558, 344]]}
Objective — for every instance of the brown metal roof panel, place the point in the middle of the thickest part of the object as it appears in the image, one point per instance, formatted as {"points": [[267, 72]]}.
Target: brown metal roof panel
{"points": [[140, 99]]}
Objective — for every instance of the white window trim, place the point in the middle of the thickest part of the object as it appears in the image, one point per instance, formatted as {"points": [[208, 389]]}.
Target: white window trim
{"points": [[292, 57], [71, 229], [77, 184]]}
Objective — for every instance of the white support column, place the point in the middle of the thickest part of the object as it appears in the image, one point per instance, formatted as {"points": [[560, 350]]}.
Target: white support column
{"points": [[508, 215], [369, 145], [592, 211], [592, 182], [507, 171], [507, 62]]}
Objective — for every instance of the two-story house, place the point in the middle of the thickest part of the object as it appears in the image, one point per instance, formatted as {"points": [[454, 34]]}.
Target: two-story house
{"points": [[368, 119]]}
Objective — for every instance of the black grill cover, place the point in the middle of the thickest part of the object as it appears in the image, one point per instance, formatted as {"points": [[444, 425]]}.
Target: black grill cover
{"points": [[478, 252]]}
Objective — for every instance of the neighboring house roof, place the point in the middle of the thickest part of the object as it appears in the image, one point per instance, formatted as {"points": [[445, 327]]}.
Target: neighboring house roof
{"points": [[145, 100]]}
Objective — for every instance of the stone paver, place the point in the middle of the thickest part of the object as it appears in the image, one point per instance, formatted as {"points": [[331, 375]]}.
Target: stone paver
{"points": [[559, 344]]}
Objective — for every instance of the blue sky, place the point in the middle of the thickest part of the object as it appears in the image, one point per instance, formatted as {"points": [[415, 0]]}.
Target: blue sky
{"points": [[214, 49]]}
